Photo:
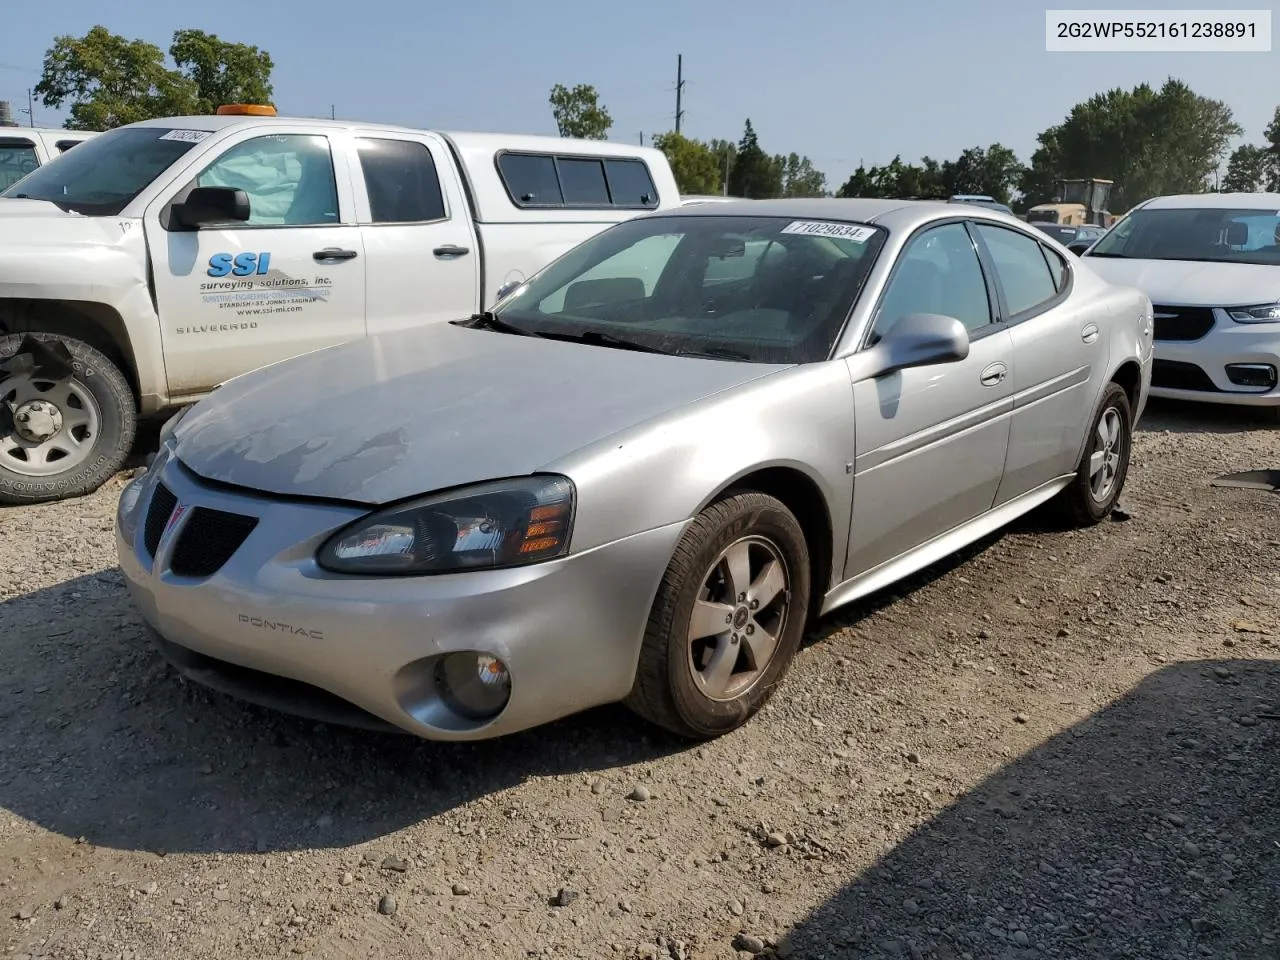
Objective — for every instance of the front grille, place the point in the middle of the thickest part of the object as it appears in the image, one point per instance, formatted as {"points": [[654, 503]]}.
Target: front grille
{"points": [[162, 503], [208, 540], [1176, 375], [1183, 323]]}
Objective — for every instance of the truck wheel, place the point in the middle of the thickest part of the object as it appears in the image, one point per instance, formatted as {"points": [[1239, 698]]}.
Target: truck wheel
{"points": [[62, 434]]}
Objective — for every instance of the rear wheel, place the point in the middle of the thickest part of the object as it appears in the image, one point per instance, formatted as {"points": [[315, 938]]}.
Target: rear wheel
{"points": [[67, 420], [1104, 466], [727, 620]]}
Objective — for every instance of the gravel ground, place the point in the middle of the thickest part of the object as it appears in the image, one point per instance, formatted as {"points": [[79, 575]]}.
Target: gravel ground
{"points": [[1062, 744]]}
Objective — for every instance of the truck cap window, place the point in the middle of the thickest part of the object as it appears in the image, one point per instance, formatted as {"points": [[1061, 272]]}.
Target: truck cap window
{"points": [[102, 175], [17, 159], [560, 180]]}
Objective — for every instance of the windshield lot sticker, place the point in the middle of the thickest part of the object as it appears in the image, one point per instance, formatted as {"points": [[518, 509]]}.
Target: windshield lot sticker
{"points": [[836, 231], [186, 136]]}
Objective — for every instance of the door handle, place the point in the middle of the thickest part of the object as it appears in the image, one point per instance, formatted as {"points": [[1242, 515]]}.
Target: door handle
{"points": [[994, 375], [450, 250], [334, 253], [1089, 333]]}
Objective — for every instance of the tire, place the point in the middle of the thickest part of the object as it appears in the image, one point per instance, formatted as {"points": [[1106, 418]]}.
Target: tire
{"points": [[1081, 505], [100, 392], [667, 690]]}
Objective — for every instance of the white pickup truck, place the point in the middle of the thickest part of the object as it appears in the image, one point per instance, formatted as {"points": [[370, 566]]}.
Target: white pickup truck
{"points": [[22, 149], [165, 257]]}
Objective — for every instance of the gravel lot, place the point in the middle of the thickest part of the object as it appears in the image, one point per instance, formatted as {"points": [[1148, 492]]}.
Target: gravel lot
{"points": [[1063, 744]]}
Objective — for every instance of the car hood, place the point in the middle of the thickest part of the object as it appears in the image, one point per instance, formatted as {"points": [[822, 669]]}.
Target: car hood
{"points": [[38, 223], [1192, 283], [380, 419]]}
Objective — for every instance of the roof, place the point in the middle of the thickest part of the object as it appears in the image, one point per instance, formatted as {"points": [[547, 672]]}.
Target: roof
{"points": [[63, 132], [863, 210], [1216, 201], [480, 139]]}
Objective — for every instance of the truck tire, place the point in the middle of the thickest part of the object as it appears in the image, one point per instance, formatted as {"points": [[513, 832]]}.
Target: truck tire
{"points": [[66, 437]]}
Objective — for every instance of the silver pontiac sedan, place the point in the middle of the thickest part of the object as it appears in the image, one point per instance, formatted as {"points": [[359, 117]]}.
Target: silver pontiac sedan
{"points": [[641, 474]]}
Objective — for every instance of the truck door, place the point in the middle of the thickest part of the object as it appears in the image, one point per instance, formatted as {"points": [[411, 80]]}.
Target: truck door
{"points": [[288, 281], [421, 249]]}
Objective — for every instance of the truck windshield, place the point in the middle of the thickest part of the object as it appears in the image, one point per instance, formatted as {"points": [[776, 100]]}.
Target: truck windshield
{"points": [[101, 175], [17, 159], [754, 289], [1206, 233]]}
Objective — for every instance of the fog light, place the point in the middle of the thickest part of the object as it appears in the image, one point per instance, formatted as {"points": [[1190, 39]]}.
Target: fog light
{"points": [[1252, 375], [475, 685]]}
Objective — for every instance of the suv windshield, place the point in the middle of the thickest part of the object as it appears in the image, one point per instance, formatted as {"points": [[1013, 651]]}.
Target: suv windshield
{"points": [[1195, 233], [101, 175], [758, 289]]}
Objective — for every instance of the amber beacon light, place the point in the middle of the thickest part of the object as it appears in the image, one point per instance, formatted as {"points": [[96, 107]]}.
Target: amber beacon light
{"points": [[246, 110]]}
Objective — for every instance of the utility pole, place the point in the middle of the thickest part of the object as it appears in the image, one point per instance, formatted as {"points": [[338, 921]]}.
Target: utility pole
{"points": [[31, 108], [725, 191], [332, 115], [642, 138], [679, 88]]}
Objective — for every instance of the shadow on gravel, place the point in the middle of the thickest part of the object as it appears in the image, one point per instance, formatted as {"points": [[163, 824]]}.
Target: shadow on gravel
{"points": [[1182, 416], [1150, 830], [101, 739]]}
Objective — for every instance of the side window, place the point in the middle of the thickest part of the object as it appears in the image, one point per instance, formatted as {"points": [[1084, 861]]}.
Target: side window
{"points": [[288, 177], [628, 274], [938, 272], [1021, 267], [630, 184], [17, 159], [400, 177], [583, 182], [531, 179], [1057, 267]]}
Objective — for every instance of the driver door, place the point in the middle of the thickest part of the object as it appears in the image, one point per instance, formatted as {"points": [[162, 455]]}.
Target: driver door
{"points": [[930, 442], [237, 296]]}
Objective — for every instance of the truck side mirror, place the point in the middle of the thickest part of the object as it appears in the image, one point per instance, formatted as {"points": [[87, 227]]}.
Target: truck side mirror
{"points": [[210, 205]]}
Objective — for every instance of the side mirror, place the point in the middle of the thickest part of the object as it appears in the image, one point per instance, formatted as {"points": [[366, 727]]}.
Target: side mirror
{"points": [[1079, 246], [210, 205], [921, 339]]}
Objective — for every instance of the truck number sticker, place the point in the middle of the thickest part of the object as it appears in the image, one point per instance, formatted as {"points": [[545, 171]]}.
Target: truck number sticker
{"points": [[186, 136], [836, 231], [239, 264]]}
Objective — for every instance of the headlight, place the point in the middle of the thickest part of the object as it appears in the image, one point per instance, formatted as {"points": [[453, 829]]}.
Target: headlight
{"points": [[1266, 313], [504, 523]]}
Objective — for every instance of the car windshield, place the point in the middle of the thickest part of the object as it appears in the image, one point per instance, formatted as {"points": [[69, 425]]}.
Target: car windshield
{"points": [[1212, 234], [758, 289], [103, 174]]}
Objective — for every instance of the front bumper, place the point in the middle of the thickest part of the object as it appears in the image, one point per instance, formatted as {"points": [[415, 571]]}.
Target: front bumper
{"points": [[569, 630], [1197, 369]]}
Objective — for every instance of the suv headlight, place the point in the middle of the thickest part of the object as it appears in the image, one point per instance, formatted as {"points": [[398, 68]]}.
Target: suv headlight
{"points": [[502, 523], [1266, 313]]}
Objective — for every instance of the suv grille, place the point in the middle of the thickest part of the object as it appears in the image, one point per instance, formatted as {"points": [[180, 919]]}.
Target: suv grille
{"points": [[162, 503], [1176, 375], [208, 540], [1183, 323]]}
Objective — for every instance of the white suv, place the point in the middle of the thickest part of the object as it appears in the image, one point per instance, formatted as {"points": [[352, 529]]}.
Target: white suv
{"points": [[1211, 265]]}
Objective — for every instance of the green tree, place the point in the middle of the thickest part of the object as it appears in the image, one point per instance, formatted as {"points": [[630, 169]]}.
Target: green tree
{"points": [[1272, 133], [223, 72], [799, 178], [1150, 142], [1249, 169], [726, 153], [696, 167], [754, 175], [109, 80], [579, 112]]}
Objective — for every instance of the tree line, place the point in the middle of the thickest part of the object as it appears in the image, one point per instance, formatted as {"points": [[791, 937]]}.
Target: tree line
{"points": [[1150, 141]]}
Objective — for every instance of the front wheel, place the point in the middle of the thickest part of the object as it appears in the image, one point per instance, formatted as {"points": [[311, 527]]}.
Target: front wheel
{"points": [[1094, 491], [728, 618], [65, 428]]}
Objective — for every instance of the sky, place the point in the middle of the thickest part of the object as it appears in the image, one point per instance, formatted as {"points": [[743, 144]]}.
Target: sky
{"points": [[841, 82]]}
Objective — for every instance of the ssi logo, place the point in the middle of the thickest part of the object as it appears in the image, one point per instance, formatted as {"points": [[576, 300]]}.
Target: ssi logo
{"points": [[239, 264]]}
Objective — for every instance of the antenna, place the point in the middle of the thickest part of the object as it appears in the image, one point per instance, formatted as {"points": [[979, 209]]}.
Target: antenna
{"points": [[679, 88]]}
